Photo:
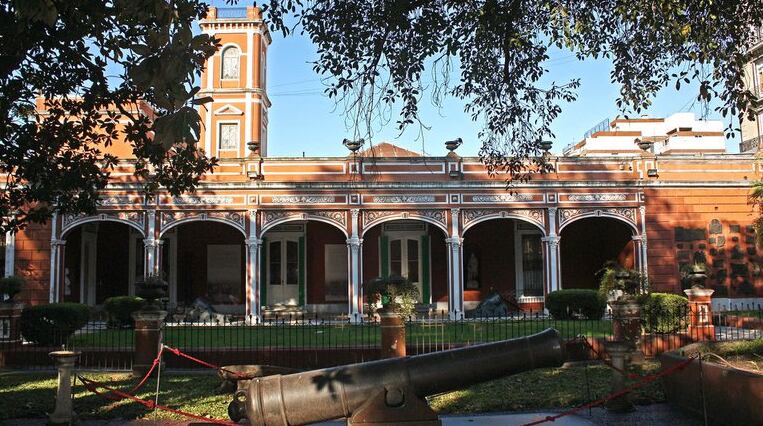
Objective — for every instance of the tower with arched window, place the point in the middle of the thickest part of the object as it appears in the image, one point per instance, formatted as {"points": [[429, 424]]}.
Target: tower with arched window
{"points": [[235, 124]]}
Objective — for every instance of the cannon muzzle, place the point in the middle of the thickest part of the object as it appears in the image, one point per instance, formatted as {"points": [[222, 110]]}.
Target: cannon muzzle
{"points": [[392, 391]]}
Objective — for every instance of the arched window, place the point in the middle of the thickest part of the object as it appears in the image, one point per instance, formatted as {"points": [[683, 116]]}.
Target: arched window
{"points": [[230, 63]]}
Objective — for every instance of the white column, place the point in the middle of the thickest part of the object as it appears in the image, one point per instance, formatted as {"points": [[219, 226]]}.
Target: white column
{"points": [[151, 245], [552, 252], [355, 255], [54, 248], [552, 262], [455, 263], [644, 262], [253, 243]]}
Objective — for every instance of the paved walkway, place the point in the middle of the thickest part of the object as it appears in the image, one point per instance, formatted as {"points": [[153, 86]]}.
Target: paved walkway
{"points": [[646, 415]]}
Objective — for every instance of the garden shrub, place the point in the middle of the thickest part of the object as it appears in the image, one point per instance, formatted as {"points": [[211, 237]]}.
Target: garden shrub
{"points": [[53, 324], [664, 312], [120, 309], [573, 303], [10, 287]]}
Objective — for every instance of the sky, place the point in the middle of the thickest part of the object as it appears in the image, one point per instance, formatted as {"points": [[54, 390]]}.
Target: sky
{"points": [[304, 121]]}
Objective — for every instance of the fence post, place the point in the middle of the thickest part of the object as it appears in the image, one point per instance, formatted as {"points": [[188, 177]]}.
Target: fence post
{"points": [[392, 335], [63, 413], [148, 338], [700, 313], [10, 328]]}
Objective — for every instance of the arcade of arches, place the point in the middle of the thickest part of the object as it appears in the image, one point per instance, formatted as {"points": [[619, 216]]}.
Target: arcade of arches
{"points": [[310, 265]]}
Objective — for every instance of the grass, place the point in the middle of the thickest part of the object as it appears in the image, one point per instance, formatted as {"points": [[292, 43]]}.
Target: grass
{"points": [[343, 335], [745, 354], [30, 395], [550, 388]]}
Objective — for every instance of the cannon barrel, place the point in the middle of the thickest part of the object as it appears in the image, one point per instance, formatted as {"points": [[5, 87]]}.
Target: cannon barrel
{"points": [[330, 393]]}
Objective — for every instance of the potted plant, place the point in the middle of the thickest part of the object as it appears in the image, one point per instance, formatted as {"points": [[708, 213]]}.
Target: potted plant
{"points": [[398, 297], [10, 310], [621, 288]]}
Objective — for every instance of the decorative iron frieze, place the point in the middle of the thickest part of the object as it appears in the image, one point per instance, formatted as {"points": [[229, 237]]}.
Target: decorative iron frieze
{"points": [[337, 217], [302, 199], [202, 200], [502, 198], [403, 199], [235, 218], [136, 218], [535, 216], [373, 216], [568, 215], [600, 197], [116, 201]]}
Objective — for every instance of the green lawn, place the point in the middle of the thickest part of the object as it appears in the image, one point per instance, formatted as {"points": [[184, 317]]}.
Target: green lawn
{"points": [[753, 313], [343, 335], [30, 395]]}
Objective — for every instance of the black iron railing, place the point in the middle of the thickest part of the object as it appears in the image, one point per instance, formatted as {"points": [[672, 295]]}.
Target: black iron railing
{"points": [[307, 341]]}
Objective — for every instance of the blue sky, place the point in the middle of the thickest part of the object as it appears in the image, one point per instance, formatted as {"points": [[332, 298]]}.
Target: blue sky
{"points": [[303, 120]]}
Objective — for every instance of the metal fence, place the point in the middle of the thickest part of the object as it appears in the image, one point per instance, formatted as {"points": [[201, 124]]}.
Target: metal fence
{"points": [[305, 341]]}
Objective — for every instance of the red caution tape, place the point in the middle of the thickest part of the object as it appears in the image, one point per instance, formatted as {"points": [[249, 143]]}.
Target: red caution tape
{"points": [[180, 353], [93, 387]]}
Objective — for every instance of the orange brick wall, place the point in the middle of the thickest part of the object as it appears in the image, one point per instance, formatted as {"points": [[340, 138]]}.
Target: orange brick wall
{"points": [[32, 262], [695, 209]]}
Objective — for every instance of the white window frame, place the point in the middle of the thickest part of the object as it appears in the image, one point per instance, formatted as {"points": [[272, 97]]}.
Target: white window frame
{"points": [[224, 49], [404, 235], [220, 124], [10, 253], [518, 264]]}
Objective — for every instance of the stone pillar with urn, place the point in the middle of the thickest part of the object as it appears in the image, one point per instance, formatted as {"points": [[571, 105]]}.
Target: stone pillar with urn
{"points": [[700, 314]]}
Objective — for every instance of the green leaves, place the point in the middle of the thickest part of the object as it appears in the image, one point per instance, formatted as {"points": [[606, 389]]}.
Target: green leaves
{"points": [[102, 66], [377, 51]]}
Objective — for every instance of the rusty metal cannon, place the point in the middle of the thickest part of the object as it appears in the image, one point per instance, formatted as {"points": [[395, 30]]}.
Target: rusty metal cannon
{"points": [[390, 391]]}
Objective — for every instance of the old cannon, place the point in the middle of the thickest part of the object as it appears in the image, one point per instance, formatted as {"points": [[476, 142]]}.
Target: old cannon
{"points": [[390, 391]]}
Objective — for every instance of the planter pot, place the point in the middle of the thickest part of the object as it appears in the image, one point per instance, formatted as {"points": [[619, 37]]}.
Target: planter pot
{"points": [[730, 396], [10, 327], [392, 335]]}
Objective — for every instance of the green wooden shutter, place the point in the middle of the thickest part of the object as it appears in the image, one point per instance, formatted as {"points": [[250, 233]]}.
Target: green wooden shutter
{"points": [[384, 256], [425, 284], [264, 272], [301, 248]]}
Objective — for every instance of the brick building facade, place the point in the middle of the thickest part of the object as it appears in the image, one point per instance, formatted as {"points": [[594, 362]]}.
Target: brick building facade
{"points": [[263, 233]]}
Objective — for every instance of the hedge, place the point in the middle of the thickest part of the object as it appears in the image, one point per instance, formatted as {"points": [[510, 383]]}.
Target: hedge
{"points": [[664, 312], [120, 309], [53, 324], [574, 303]]}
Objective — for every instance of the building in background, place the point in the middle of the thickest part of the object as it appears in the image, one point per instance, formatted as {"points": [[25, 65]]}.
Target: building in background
{"points": [[264, 234], [681, 133], [753, 129]]}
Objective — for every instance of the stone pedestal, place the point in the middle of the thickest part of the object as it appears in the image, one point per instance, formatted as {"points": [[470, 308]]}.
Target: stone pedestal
{"points": [[65, 361], [392, 335], [148, 338], [618, 351], [700, 314]]}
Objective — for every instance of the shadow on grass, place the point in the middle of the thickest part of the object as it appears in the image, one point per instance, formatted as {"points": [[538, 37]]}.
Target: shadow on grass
{"points": [[31, 395]]}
